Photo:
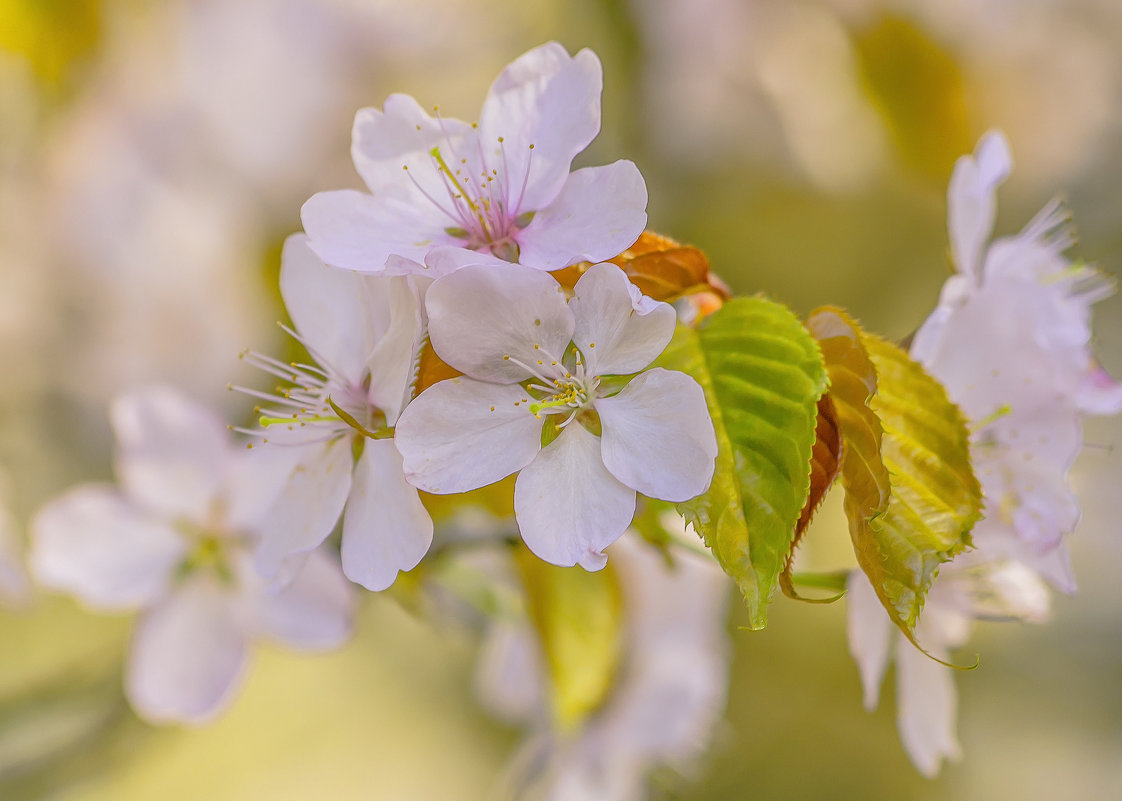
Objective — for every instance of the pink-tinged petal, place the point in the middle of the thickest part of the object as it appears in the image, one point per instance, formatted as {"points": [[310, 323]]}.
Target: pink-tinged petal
{"points": [[488, 322], [509, 674], [461, 434], [658, 437], [188, 655], [926, 707], [309, 505], [568, 506], [338, 313], [970, 200], [618, 328], [386, 528], [401, 135], [97, 545], [392, 361], [172, 453], [547, 99], [256, 480], [313, 611], [355, 231], [598, 214], [444, 260], [870, 634]]}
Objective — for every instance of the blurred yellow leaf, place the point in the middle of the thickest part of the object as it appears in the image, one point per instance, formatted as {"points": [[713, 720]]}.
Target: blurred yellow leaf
{"points": [[918, 88]]}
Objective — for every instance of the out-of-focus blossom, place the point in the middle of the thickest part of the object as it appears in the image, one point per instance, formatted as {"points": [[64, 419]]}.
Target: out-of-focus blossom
{"points": [[501, 186], [926, 700], [505, 325], [669, 693], [1010, 339], [364, 333], [175, 540]]}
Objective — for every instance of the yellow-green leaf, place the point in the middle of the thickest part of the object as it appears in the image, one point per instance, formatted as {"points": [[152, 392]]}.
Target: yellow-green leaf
{"points": [[763, 375], [579, 619], [911, 494]]}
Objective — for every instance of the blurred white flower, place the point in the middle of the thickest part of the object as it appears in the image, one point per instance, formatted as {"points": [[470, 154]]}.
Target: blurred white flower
{"points": [[1010, 340], [501, 186], [503, 325], [364, 333], [670, 691], [175, 541], [927, 704]]}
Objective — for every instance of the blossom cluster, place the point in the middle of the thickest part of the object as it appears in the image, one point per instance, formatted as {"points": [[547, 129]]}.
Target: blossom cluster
{"points": [[1010, 341], [467, 320], [450, 252]]}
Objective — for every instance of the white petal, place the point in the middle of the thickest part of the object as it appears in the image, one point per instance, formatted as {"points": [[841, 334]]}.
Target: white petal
{"points": [[392, 362], [926, 707], [970, 200], [386, 529], [568, 506], [314, 611], [509, 676], [172, 453], [309, 505], [338, 313], [355, 231], [479, 315], [188, 655], [97, 545], [599, 213], [618, 329], [870, 634], [658, 437], [401, 135], [461, 434], [547, 99], [444, 260], [255, 481]]}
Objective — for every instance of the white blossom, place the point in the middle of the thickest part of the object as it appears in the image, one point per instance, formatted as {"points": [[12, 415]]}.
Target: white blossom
{"points": [[1010, 340], [670, 691], [501, 186], [175, 541], [364, 333], [533, 360]]}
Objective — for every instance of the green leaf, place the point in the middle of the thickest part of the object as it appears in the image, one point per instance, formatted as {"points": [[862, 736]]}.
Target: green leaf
{"points": [[579, 619], [911, 494], [763, 375]]}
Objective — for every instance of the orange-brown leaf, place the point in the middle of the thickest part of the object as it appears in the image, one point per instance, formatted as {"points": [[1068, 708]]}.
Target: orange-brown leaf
{"points": [[825, 462]]}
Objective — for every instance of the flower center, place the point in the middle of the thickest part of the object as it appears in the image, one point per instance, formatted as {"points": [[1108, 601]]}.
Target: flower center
{"points": [[483, 198], [320, 400]]}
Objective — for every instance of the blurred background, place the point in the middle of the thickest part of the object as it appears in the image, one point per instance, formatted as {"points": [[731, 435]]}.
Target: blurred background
{"points": [[155, 153]]}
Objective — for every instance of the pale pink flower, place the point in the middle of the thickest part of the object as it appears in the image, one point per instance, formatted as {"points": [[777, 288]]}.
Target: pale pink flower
{"points": [[926, 700], [528, 358], [501, 186], [669, 693], [1010, 340], [175, 542], [364, 333]]}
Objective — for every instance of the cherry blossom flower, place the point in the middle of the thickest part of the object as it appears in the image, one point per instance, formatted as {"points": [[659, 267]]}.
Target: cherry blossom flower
{"points": [[504, 326], [926, 699], [1010, 339], [501, 186], [364, 332], [670, 690], [175, 541]]}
